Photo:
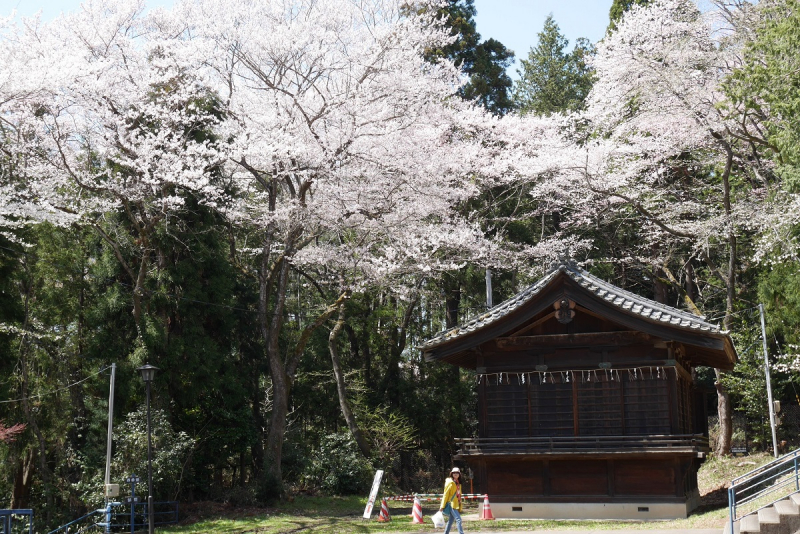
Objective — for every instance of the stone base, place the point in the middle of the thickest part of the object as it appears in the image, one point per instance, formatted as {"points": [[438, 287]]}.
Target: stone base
{"points": [[633, 510]]}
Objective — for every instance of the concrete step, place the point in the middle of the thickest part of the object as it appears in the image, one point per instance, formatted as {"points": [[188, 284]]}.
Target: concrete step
{"points": [[782, 518], [769, 521], [789, 514], [795, 498], [727, 529], [749, 524]]}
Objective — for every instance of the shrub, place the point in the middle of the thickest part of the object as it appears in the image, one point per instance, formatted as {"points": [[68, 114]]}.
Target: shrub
{"points": [[338, 468], [170, 452]]}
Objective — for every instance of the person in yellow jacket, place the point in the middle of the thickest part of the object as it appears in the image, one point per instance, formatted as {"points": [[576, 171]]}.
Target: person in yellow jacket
{"points": [[451, 500]]}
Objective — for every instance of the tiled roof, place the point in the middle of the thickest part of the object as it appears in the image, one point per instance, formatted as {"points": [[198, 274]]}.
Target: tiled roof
{"points": [[624, 300]]}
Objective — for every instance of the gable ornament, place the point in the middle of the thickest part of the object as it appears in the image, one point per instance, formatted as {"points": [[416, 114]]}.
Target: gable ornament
{"points": [[565, 310]]}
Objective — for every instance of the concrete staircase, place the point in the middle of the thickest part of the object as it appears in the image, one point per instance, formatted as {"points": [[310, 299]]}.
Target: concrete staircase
{"points": [[783, 517]]}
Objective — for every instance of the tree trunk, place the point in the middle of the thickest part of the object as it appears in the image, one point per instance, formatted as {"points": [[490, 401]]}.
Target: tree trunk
{"points": [[452, 298], [282, 373], [23, 480], [660, 289], [26, 407], [270, 330], [689, 285], [452, 307], [724, 408], [349, 418], [723, 444]]}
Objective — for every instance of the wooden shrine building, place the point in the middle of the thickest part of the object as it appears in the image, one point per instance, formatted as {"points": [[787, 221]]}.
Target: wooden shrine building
{"points": [[586, 405]]}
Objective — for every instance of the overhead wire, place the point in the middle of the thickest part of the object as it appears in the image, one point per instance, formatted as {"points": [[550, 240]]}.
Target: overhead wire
{"points": [[53, 392], [733, 313]]}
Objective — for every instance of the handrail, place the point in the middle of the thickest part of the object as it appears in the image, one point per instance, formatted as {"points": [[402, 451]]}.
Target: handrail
{"points": [[107, 524], [778, 476], [7, 519], [66, 527], [768, 465]]}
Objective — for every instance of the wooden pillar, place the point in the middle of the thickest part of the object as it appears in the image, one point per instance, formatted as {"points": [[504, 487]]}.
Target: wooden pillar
{"points": [[576, 427]]}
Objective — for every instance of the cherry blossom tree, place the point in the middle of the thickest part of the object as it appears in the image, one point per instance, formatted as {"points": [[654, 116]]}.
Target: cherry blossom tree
{"points": [[318, 129], [108, 123], [661, 146], [348, 155], [9, 433]]}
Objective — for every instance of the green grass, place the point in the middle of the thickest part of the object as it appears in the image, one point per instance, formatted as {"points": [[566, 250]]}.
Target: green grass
{"points": [[327, 521], [342, 515]]}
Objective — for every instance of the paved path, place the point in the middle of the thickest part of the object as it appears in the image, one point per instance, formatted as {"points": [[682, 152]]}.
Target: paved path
{"points": [[599, 528]]}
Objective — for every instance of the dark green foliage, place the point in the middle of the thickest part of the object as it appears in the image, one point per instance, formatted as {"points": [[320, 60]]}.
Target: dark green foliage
{"points": [[171, 450], [338, 468], [488, 83], [768, 88], [197, 322], [553, 80], [484, 62], [11, 312]]}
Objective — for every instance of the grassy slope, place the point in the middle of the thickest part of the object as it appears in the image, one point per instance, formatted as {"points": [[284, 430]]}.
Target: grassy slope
{"points": [[337, 515]]}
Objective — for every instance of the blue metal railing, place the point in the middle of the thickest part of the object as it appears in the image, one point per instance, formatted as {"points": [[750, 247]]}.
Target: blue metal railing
{"points": [[113, 518], [7, 519], [89, 521], [164, 513], [763, 486]]}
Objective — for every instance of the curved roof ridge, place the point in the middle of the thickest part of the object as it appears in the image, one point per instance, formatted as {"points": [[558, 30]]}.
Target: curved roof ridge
{"points": [[616, 296], [634, 297]]}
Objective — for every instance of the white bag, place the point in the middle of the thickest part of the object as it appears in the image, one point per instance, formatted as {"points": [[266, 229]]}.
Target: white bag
{"points": [[438, 519]]}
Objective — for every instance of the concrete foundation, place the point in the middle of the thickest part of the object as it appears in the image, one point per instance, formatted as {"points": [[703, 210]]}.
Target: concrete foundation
{"points": [[645, 510]]}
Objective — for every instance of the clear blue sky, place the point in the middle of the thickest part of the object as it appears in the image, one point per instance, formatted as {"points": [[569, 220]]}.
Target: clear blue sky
{"points": [[515, 23]]}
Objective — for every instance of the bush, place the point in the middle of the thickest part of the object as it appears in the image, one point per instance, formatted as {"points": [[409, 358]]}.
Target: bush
{"points": [[170, 452], [338, 468]]}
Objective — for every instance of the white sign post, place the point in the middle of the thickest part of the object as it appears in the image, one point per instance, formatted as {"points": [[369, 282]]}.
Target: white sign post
{"points": [[376, 483]]}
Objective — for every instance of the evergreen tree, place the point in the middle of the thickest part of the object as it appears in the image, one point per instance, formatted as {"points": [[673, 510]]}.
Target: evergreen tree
{"points": [[553, 80], [484, 62]]}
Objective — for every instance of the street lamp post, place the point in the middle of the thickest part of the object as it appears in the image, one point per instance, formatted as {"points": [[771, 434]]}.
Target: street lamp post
{"points": [[148, 372]]}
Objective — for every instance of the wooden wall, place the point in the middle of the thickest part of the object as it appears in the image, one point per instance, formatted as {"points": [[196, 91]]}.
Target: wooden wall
{"points": [[576, 480], [601, 407]]}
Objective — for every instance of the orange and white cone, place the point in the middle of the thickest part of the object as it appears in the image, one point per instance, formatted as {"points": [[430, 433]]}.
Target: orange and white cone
{"points": [[416, 513], [486, 512], [384, 517]]}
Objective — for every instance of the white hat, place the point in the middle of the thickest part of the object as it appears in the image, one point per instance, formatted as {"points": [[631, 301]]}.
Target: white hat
{"points": [[455, 470]]}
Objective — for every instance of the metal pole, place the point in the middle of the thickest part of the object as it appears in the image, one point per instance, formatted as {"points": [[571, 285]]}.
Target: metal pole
{"points": [[109, 438], [488, 288], [150, 527], [110, 424], [769, 384], [731, 505], [133, 507]]}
